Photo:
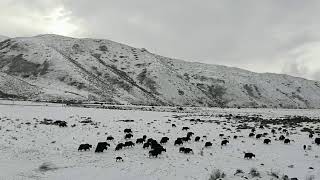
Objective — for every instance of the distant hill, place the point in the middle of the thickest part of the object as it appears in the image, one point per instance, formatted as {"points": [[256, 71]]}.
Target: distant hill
{"points": [[52, 67]]}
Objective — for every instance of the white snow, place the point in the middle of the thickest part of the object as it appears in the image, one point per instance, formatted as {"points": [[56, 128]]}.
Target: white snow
{"points": [[25, 147]]}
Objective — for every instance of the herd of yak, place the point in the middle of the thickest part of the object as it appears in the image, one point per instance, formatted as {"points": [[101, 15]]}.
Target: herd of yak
{"points": [[157, 148]]}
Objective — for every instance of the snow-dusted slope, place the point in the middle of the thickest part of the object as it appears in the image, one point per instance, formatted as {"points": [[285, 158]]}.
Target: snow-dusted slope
{"points": [[91, 69], [2, 38]]}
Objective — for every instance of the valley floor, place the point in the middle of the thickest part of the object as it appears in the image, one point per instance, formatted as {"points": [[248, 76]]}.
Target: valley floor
{"points": [[25, 145]]}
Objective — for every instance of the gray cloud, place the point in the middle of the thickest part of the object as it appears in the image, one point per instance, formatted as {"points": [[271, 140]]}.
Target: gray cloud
{"points": [[256, 35]]}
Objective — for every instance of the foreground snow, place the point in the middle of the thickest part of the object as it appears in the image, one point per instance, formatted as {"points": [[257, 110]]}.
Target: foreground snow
{"points": [[24, 147]]}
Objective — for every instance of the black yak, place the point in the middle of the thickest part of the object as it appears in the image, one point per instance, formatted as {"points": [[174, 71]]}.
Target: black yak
{"points": [[119, 146], [197, 139], [287, 141], [266, 141], [146, 145], [181, 149], [258, 136], [110, 138], [190, 134], [224, 142], [164, 140], [281, 138], [84, 147], [178, 142], [129, 144], [185, 128], [119, 158], [101, 146], [251, 134], [249, 155], [188, 150], [144, 137], [139, 141], [310, 135], [128, 136], [153, 153], [207, 144], [127, 131], [186, 139]]}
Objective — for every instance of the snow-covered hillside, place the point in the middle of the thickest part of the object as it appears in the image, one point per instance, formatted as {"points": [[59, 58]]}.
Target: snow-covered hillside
{"points": [[2, 38], [52, 67]]}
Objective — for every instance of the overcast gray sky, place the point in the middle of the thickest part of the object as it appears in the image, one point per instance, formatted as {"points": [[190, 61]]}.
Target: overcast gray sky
{"points": [[281, 36]]}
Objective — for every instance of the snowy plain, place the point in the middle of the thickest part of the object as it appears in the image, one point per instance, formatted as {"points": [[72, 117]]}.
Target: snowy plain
{"points": [[25, 144]]}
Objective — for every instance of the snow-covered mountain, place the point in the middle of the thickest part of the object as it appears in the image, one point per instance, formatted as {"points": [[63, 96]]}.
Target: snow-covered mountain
{"points": [[52, 67]]}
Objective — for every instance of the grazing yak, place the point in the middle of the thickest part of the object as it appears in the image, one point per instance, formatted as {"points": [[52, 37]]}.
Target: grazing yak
{"points": [[189, 134], [287, 141], [185, 150], [281, 138], [249, 155], [310, 135], [128, 136], [178, 142], [128, 144], [186, 139], [197, 139], [84, 147], [164, 140], [188, 150], [266, 141], [119, 146], [144, 137], [110, 138], [173, 125], [146, 145], [258, 136], [185, 128], [127, 131], [251, 134], [208, 144], [224, 142], [119, 159], [160, 149], [101, 146], [140, 140], [317, 141], [156, 145], [153, 153], [181, 149]]}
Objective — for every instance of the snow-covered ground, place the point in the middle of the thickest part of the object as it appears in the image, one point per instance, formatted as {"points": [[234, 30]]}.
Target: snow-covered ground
{"points": [[25, 145]]}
